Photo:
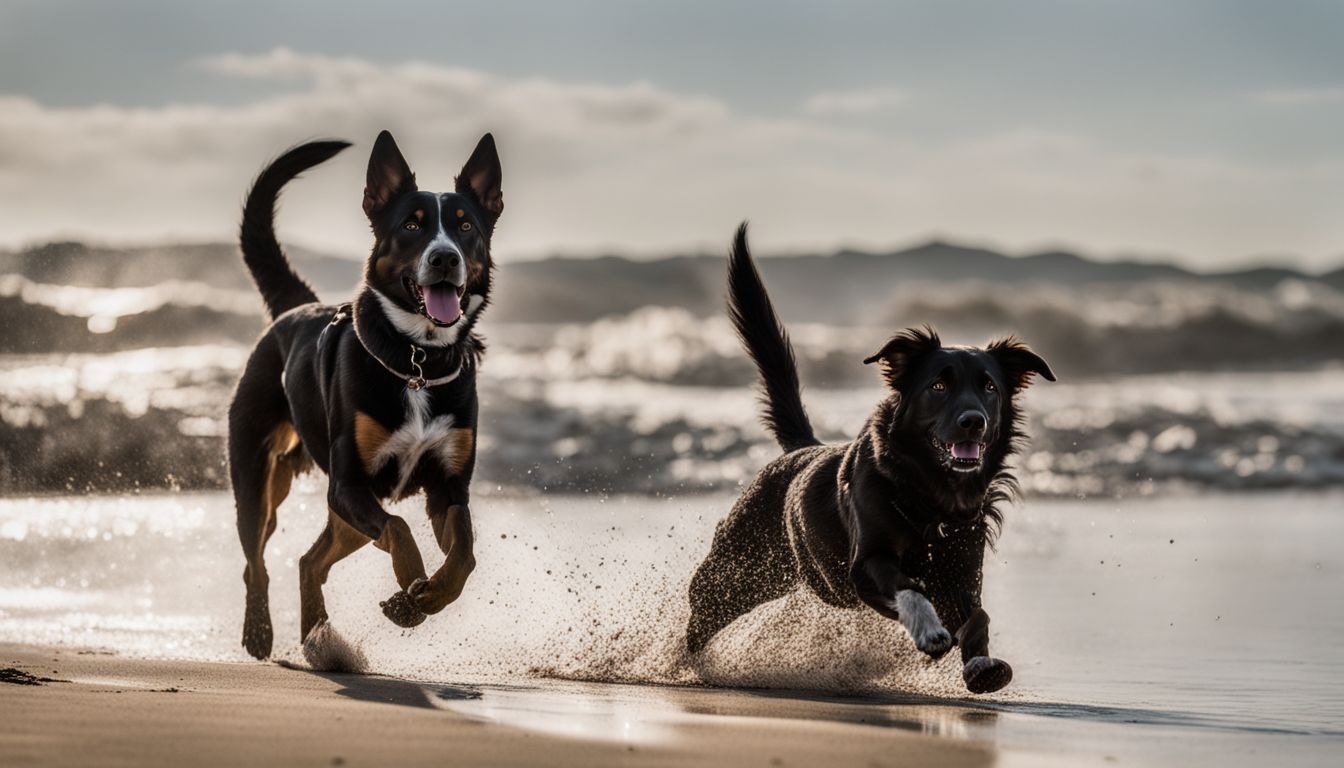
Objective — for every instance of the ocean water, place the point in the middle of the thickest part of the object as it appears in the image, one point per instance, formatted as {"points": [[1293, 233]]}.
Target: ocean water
{"points": [[644, 414], [1218, 613]]}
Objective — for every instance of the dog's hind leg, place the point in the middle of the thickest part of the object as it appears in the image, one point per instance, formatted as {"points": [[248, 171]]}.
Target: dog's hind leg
{"points": [[337, 541], [749, 563], [261, 482], [264, 451]]}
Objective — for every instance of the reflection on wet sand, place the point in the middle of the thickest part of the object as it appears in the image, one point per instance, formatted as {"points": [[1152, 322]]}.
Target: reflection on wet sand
{"points": [[670, 715]]}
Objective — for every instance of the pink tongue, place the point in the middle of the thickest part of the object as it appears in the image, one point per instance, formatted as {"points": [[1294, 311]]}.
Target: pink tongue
{"points": [[441, 302], [966, 450]]}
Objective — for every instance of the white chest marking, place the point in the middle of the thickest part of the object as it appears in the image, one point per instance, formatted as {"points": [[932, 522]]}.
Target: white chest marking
{"points": [[417, 436]]}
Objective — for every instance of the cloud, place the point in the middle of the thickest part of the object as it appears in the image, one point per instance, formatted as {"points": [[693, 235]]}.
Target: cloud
{"points": [[593, 168], [1299, 96], [862, 101]]}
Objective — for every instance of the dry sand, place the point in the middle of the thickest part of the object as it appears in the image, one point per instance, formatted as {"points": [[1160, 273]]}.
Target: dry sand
{"points": [[113, 710]]}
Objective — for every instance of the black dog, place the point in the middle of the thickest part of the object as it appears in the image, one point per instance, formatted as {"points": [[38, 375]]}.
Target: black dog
{"points": [[380, 393], [899, 518]]}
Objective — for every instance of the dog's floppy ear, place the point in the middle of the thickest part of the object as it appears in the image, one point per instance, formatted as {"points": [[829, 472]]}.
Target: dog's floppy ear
{"points": [[481, 176], [897, 355], [389, 175], [1019, 362]]}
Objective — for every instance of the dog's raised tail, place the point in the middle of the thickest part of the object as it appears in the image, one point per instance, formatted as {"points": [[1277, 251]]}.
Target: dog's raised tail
{"points": [[281, 287], [768, 345]]}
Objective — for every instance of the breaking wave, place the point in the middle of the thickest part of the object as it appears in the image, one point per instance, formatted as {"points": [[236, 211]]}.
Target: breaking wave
{"points": [[566, 418], [1163, 384]]}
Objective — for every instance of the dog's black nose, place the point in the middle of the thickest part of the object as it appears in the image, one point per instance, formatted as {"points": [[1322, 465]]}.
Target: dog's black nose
{"points": [[439, 258], [972, 421]]}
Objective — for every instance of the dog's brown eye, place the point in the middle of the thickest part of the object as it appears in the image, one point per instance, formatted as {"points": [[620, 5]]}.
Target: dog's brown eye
{"points": [[466, 226], [989, 387], [412, 225], [939, 386]]}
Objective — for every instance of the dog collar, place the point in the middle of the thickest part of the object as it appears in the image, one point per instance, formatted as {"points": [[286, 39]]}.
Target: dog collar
{"points": [[415, 381]]}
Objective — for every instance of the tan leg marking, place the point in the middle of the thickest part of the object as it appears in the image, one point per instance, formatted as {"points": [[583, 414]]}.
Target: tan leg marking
{"points": [[338, 541], [452, 529], [370, 436], [398, 542], [279, 473], [460, 441], [282, 439]]}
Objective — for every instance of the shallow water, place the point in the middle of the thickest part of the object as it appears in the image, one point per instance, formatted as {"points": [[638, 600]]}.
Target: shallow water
{"points": [[1219, 614]]}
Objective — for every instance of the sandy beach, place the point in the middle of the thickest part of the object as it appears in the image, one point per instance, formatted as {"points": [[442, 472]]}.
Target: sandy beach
{"points": [[110, 710], [566, 654], [96, 707], [100, 708]]}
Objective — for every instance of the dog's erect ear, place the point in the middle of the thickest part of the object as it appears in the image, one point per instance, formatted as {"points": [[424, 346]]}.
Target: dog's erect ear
{"points": [[481, 176], [897, 355], [1019, 362], [389, 175]]}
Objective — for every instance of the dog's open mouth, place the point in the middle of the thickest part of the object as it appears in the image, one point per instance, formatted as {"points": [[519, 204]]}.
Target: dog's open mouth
{"points": [[966, 453], [440, 302], [962, 456]]}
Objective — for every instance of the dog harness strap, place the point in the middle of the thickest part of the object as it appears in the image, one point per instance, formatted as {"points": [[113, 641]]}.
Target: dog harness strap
{"points": [[415, 381], [937, 529]]}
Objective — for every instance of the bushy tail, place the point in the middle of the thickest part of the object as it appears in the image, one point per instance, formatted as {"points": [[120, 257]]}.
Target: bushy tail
{"points": [[768, 345], [281, 287]]}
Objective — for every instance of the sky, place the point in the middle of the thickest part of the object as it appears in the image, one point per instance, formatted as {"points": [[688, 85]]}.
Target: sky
{"points": [[1210, 133]]}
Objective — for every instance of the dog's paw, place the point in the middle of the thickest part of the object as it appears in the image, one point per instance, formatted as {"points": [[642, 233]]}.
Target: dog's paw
{"points": [[428, 599], [921, 621], [986, 675], [934, 641], [258, 637], [417, 588], [400, 608], [257, 633]]}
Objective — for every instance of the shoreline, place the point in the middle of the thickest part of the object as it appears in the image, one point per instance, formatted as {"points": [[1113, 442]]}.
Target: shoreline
{"points": [[130, 711], [148, 712]]}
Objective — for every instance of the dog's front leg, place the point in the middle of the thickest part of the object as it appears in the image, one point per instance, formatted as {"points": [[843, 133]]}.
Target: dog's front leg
{"points": [[358, 506], [881, 584], [956, 578], [981, 672], [451, 520]]}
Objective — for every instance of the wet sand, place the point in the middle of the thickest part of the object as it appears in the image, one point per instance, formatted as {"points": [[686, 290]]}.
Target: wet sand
{"points": [[113, 710], [97, 707], [1211, 665]]}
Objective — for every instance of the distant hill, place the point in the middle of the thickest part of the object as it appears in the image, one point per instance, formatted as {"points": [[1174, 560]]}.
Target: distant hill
{"points": [[845, 287], [216, 264]]}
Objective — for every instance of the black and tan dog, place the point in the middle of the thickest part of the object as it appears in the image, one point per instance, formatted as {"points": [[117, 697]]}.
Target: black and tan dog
{"points": [[380, 394], [898, 519]]}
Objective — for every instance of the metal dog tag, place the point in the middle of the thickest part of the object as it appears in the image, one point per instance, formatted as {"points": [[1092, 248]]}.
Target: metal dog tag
{"points": [[417, 382]]}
